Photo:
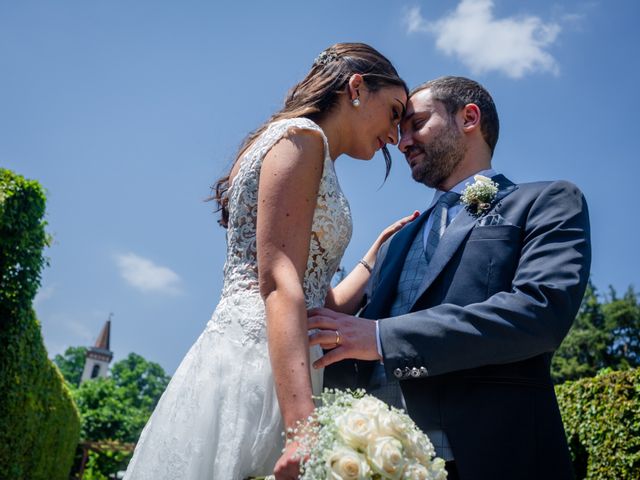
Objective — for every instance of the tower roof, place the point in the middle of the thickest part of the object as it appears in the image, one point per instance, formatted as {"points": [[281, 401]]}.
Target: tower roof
{"points": [[105, 336]]}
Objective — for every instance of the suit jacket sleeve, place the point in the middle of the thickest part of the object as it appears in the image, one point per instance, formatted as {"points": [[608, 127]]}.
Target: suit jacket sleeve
{"points": [[530, 319]]}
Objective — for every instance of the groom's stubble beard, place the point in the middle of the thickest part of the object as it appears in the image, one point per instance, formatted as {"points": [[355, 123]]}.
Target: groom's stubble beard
{"points": [[440, 157]]}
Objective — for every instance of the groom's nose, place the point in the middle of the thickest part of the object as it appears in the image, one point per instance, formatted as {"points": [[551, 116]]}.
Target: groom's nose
{"points": [[405, 142]]}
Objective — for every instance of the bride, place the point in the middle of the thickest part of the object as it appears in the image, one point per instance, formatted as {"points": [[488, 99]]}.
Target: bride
{"points": [[247, 379]]}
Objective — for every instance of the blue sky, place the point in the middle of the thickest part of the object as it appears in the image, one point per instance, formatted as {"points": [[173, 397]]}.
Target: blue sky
{"points": [[127, 111]]}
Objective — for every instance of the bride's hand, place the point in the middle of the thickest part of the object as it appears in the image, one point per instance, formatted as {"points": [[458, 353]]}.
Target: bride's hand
{"points": [[394, 227], [370, 256], [288, 465]]}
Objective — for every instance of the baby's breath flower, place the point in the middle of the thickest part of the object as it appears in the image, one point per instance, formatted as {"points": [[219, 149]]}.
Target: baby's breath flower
{"points": [[478, 197]]}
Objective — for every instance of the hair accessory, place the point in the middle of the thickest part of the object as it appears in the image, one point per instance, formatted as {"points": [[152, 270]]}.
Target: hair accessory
{"points": [[325, 57], [356, 102]]}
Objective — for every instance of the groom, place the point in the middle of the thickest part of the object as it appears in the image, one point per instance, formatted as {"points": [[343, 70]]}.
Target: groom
{"points": [[470, 300]]}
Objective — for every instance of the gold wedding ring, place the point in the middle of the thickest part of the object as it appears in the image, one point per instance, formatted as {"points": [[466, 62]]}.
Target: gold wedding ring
{"points": [[338, 337]]}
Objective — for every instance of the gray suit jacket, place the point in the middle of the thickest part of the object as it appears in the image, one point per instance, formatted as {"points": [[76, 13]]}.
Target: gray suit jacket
{"points": [[473, 354]]}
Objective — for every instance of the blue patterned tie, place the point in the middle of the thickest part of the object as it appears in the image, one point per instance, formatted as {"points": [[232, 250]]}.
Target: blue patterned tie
{"points": [[440, 222]]}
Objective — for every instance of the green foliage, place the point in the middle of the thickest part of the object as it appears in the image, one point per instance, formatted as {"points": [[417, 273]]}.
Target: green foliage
{"points": [[622, 316], [142, 381], [117, 408], [582, 352], [71, 364], [601, 416], [604, 335], [105, 461], [22, 239], [39, 424], [106, 412]]}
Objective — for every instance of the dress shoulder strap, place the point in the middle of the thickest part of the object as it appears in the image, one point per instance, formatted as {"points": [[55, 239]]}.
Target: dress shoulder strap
{"points": [[276, 130]]}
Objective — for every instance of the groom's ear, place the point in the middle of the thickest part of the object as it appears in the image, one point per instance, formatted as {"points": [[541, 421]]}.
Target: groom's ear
{"points": [[470, 114]]}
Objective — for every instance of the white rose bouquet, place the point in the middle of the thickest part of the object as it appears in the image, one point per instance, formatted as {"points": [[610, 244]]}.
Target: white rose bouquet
{"points": [[353, 436]]}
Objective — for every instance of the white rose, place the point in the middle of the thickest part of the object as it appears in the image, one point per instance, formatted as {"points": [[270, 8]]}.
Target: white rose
{"points": [[355, 428], [370, 406], [482, 179], [347, 464], [415, 471], [419, 446], [393, 424], [386, 458]]}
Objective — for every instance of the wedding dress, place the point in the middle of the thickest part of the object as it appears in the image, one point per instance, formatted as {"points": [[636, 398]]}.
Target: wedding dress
{"points": [[219, 416]]}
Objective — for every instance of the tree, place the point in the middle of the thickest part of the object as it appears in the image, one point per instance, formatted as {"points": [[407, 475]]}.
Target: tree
{"points": [[605, 335], [106, 412], [143, 382], [583, 351], [71, 364], [115, 408], [622, 318]]}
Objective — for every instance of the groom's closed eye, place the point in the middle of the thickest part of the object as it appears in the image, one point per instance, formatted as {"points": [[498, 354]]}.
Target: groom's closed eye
{"points": [[419, 120]]}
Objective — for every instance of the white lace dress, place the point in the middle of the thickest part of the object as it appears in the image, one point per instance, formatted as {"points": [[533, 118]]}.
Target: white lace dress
{"points": [[219, 417]]}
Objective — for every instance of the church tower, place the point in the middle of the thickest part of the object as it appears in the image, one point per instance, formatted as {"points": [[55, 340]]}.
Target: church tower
{"points": [[99, 356]]}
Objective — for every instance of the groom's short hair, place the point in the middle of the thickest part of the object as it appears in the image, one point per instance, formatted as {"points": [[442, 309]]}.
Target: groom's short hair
{"points": [[456, 92]]}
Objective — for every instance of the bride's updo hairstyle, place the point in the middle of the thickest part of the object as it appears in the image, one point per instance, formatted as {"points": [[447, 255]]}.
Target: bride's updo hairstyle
{"points": [[318, 93]]}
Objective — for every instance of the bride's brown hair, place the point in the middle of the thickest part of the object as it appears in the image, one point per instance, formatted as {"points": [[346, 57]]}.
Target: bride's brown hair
{"points": [[317, 94]]}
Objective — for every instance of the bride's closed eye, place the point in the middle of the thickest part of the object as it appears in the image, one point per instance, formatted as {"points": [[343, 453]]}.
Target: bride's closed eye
{"points": [[395, 116]]}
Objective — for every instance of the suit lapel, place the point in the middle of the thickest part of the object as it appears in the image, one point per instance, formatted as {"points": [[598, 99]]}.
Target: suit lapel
{"points": [[392, 267], [455, 234], [505, 187], [394, 261]]}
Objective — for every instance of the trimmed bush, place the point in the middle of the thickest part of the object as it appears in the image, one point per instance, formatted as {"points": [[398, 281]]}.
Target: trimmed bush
{"points": [[39, 423], [602, 420]]}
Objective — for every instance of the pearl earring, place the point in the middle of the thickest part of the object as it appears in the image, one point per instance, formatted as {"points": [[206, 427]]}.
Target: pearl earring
{"points": [[355, 102]]}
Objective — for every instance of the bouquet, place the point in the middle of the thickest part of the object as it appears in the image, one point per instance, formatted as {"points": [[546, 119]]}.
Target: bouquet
{"points": [[353, 436]]}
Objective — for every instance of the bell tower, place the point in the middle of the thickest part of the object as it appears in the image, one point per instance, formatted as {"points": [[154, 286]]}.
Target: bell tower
{"points": [[99, 356]]}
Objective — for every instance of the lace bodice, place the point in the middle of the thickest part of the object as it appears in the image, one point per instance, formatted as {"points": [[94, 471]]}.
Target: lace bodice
{"points": [[331, 232]]}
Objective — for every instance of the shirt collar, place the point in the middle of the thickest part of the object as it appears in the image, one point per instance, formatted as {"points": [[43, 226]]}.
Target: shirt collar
{"points": [[490, 172]]}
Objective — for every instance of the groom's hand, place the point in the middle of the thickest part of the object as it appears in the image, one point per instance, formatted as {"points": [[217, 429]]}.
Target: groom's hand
{"points": [[346, 336]]}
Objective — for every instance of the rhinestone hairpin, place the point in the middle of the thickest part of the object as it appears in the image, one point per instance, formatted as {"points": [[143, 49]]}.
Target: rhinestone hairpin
{"points": [[325, 57]]}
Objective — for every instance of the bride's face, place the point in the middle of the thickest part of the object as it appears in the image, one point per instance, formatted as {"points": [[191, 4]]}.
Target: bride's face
{"points": [[376, 120]]}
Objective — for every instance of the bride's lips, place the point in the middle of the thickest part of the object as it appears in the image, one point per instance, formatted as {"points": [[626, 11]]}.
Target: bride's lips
{"points": [[381, 144]]}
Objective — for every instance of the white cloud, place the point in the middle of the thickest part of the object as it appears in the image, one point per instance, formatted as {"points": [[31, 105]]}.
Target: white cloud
{"points": [[514, 46], [415, 21], [146, 276]]}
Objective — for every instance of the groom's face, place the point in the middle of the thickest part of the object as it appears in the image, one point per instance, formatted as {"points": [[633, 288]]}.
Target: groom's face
{"points": [[431, 140]]}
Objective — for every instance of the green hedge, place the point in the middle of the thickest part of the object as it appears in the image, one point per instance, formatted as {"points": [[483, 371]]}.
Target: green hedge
{"points": [[602, 419], [39, 423]]}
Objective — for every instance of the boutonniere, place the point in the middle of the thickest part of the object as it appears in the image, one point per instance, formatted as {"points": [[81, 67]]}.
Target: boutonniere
{"points": [[478, 197]]}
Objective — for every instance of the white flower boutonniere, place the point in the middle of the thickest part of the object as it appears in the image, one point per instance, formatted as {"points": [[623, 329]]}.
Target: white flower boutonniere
{"points": [[478, 197]]}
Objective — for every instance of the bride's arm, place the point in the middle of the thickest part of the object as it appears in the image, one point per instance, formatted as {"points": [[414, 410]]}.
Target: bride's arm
{"points": [[289, 180], [346, 297]]}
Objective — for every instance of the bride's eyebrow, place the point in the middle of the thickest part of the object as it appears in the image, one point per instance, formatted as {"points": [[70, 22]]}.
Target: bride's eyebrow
{"points": [[404, 108]]}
